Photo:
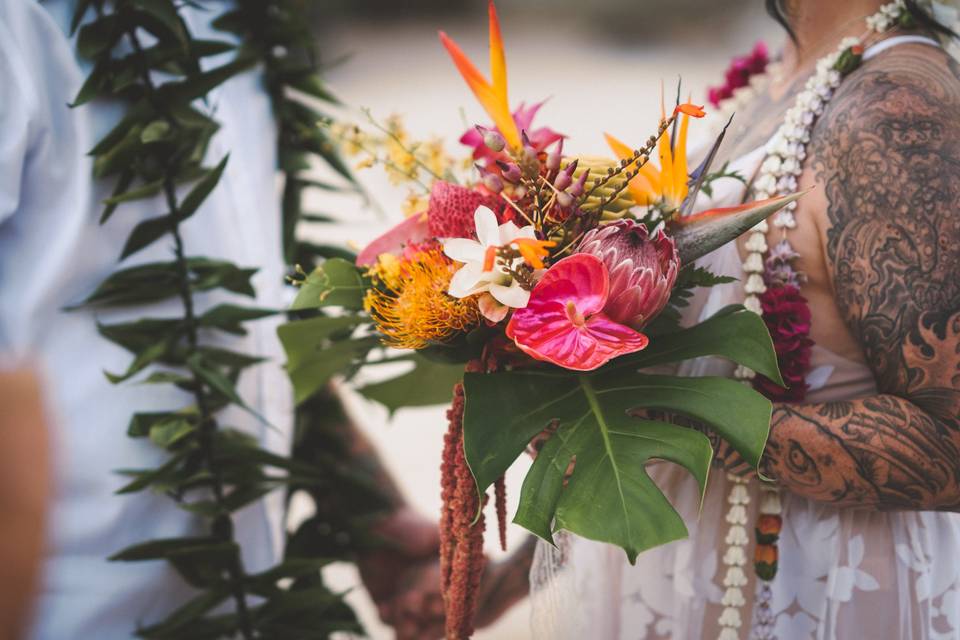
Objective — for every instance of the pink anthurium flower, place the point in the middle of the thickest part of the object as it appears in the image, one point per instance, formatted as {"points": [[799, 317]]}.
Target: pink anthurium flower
{"points": [[563, 322]]}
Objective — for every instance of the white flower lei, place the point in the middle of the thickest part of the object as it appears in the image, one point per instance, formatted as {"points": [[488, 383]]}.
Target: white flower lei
{"points": [[779, 174]]}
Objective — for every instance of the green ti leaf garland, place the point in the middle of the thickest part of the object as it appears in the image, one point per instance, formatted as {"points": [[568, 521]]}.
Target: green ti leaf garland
{"points": [[144, 55]]}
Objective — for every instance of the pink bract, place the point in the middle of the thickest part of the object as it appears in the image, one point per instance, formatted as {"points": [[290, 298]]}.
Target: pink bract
{"points": [[564, 323], [540, 138], [412, 230]]}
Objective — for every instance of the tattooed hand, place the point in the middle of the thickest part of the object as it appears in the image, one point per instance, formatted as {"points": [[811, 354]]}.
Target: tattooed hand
{"points": [[887, 154]]}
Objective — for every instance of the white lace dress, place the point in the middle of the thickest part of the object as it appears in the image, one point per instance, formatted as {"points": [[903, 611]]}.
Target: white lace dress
{"points": [[844, 574]]}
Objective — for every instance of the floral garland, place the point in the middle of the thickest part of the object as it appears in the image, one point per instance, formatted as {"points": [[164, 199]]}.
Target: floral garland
{"points": [[740, 74], [772, 286]]}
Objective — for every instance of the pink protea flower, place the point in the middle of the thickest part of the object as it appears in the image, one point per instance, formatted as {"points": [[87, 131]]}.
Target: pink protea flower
{"points": [[563, 323], [643, 269]]}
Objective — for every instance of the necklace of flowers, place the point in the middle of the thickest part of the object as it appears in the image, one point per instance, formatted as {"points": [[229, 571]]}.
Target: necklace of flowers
{"points": [[772, 288]]}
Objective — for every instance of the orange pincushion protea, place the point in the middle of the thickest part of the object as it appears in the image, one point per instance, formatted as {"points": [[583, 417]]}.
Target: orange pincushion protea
{"points": [[409, 302]]}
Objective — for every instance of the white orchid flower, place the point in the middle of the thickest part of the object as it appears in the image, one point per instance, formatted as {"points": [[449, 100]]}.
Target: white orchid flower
{"points": [[497, 288]]}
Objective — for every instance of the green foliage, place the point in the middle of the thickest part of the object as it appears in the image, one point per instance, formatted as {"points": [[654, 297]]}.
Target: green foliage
{"points": [[319, 348], [334, 283], [610, 497], [722, 172], [689, 278], [428, 383], [144, 56]]}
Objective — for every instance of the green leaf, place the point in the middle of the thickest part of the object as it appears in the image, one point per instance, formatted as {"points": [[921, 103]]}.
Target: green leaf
{"points": [[146, 190], [156, 281], [171, 431], [313, 357], [229, 317], [609, 497], [429, 383], [167, 548], [120, 155], [200, 84], [201, 561], [699, 234], [166, 12], [95, 82], [230, 359], [144, 358], [123, 183], [99, 36], [733, 333], [143, 478], [202, 189], [141, 423], [219, 382], [140, 334], [210, 274], [155, 131], [145, 234], [335, 283], [184, 616]]}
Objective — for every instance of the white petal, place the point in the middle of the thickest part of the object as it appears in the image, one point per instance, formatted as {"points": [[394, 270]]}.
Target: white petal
{"points": [[488, 232], [463, 250], [527, 232], [491, 309], [513, 296], [510, 232], [467, 281]]}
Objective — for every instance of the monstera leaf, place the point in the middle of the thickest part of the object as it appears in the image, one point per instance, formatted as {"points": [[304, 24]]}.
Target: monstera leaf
{"points": [[610, 497]]}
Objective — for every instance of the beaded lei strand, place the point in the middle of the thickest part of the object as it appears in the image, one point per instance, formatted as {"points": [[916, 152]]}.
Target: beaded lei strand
{"points": [[779, 174]]}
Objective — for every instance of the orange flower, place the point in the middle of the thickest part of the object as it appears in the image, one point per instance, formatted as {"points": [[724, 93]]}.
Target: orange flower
{"points": [[533, 250], [690, 109], [765, 554], [492, 95], [409, 302], [769, 524], [668, 185]]}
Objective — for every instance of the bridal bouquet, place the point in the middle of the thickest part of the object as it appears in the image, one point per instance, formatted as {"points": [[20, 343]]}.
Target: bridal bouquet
{"points": [[550, 285]]}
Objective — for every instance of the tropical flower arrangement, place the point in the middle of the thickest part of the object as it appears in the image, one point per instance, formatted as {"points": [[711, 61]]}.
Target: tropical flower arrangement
{"points": [[543, 288]]}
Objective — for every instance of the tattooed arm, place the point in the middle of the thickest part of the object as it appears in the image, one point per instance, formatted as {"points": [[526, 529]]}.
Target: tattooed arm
{"points": [[887, 155]]}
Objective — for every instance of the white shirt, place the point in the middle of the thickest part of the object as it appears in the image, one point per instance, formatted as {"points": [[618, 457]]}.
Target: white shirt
{"points": [[54, 253]]}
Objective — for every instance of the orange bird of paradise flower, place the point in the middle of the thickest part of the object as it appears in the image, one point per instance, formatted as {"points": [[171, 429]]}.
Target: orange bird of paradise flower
{"points": [[492, 95], [668, 184]]}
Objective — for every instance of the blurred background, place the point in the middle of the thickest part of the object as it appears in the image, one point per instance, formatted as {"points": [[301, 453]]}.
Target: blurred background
{"points": [[600, 64]]}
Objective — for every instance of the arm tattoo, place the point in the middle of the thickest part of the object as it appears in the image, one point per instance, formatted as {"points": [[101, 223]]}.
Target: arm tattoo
{"points": [[887, 153]]}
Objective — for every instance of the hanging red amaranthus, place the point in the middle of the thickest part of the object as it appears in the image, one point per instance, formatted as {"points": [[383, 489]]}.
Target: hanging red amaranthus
{"points": [[461, 539]]}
